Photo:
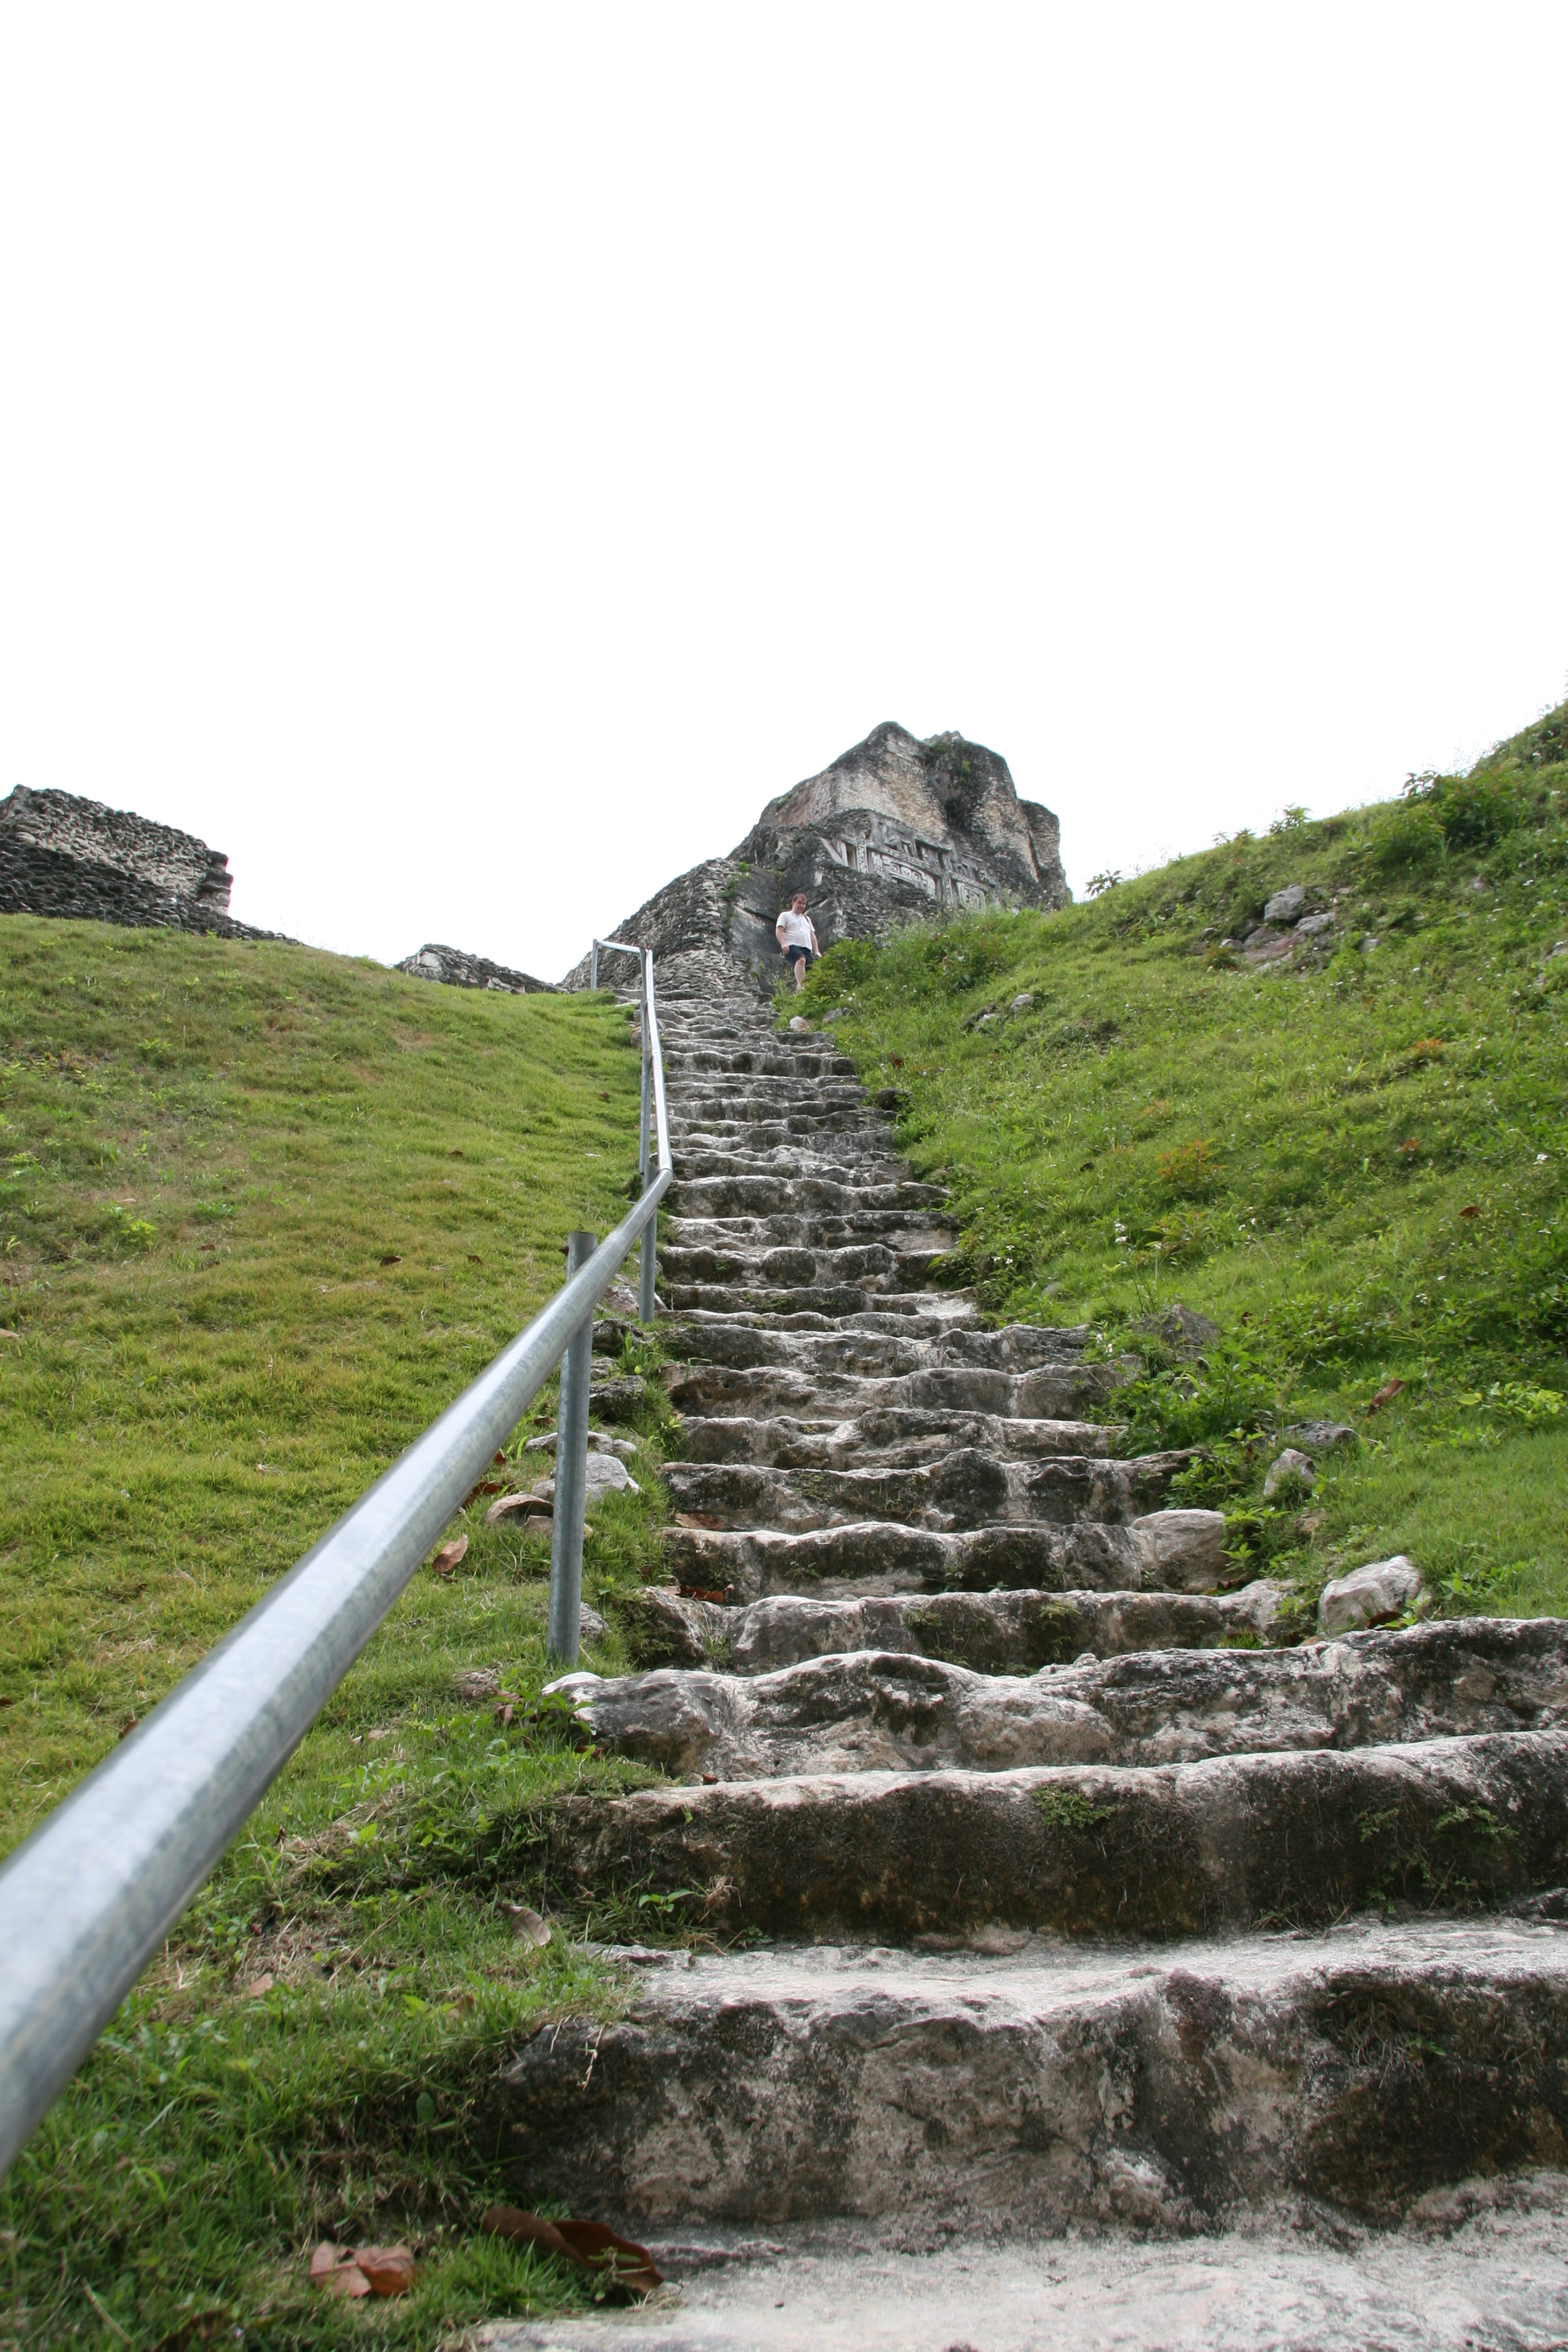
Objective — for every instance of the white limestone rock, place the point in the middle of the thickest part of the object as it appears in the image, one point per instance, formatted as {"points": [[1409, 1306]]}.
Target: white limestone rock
{"points": [[1369, 1595]]}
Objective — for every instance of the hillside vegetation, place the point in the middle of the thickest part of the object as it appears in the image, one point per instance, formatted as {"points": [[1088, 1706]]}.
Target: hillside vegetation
{"points": [[265, 1212], [1352, 1157]]}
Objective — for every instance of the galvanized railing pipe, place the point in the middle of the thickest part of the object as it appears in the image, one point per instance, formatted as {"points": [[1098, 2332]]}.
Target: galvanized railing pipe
{"points": [[86, 1901]]}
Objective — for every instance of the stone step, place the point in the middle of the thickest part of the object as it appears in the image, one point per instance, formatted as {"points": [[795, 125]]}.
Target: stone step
{"points": [[745, 1344], [907, 1228], [1050, 2088], [863, 1167], [881, 1557], [728, 1196], [780, 1269], [995, 1632], [1057, 1393], [828, 1304], [916, 1316], [897, 1438], [1291, 1839], [1479, 2264], [968, 1488], [718, 1121], [768, 1097], [683, 1060], [875, 1710]]}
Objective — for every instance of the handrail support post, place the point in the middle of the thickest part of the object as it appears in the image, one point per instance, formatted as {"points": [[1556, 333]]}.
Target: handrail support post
{"points": [[570, 1475], [648, 1264]]}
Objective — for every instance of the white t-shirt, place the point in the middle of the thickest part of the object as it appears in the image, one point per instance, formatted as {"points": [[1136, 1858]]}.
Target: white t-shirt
{"points": [[797, 929]]}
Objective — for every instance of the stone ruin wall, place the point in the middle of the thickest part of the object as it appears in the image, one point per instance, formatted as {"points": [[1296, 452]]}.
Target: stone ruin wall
{"points": [[460, 970], [65, 857], [894, 830]]}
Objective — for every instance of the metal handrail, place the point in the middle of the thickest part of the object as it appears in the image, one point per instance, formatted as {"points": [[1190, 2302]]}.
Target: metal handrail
{"points": [[86, 1901]]}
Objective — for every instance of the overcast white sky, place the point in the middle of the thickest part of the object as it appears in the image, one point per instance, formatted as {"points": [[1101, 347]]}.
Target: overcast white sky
{"points": [[462, 460]]}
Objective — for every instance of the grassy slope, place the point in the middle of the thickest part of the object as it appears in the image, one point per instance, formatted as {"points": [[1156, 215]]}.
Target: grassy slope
{"points": [[211, 1149], [1357, 1171]]}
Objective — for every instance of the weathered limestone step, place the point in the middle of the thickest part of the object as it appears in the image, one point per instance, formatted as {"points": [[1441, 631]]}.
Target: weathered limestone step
{"points": [[743, 1345], [778, 1268], [831, 1304], [909, 1228], [725, 1196], [970, 1487], [1481, 2265], [1301, 1839], [682, 1060], [917, 1314], [897, 1438], [879, 1710], [995, 1632], [1058, 1392], [1036, 2089], [866, 1167], [880, 1556]]}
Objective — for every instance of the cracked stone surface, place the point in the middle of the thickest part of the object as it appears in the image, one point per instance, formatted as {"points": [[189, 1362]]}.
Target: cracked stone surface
{"points": [[1039, 1884], [873, 1709]]}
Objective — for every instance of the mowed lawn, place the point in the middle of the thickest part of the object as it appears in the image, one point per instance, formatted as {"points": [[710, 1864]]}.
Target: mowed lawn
{"points": [[265, 1212]]}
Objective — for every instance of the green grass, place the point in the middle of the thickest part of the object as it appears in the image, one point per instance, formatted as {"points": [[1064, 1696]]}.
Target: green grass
{"points": [[265, 1212], [1357, 1170]]}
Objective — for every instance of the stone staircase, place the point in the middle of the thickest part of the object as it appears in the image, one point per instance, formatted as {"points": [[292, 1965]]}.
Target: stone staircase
{"points": [[1055, 1909]]}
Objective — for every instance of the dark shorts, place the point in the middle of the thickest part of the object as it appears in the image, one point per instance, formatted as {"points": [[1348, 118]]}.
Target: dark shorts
{"points": [[799, 955]]}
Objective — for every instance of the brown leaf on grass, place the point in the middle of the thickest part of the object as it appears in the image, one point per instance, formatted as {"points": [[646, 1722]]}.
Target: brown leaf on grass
{"points": [[703, 1593], [259, 1986], [698, 1519], [473, 1260], [389, 2269], [592, 2246], [1470, 1212], [448, 1557], [1386, 1395], [128, 1726], [527, 1926], [1411, 1143], [515, 1507], [391, 1257], [335, 2272], [504, 1713]]}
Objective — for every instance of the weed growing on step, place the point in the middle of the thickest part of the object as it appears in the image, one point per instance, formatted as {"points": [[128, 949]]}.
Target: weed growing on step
{"points": [[1353, 1161]]}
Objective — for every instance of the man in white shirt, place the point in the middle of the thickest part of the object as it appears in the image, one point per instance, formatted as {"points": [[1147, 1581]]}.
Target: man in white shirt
{"points": [[796, 934]]}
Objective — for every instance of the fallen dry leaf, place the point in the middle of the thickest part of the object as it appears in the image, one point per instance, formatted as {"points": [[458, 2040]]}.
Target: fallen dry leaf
{"points": [[593, 2245], [448, 1557], [392, 1257], [504, 1713], [1386, 1395], [703, 1593], [128, 1726], [257, 1986], [698, 1519], [389, 2269], [335, 2272], [1471, 1211], [527, 1924]]}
